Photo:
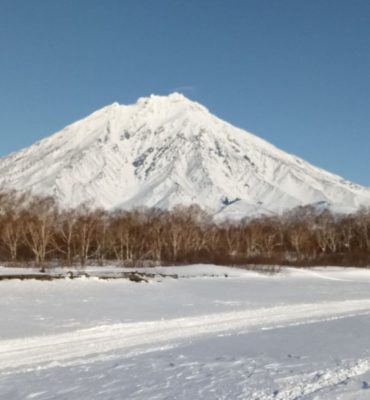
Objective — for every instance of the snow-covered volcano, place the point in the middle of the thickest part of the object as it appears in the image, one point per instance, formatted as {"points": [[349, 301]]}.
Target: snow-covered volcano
{"points": [[168, 150]]}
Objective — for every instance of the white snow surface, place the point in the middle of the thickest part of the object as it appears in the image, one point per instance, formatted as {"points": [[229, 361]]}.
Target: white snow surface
{"points": [[299, 334], [168, 150]]}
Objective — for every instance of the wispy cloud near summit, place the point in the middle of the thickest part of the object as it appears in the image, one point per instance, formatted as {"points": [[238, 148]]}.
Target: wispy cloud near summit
{"points": [[184, 88]]}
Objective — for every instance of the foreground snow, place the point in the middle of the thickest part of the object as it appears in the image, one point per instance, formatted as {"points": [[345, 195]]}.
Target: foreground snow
{"points": [[301, 334]]}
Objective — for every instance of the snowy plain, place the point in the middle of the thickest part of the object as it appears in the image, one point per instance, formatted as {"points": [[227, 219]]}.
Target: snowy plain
{"points": [[214, 333]]}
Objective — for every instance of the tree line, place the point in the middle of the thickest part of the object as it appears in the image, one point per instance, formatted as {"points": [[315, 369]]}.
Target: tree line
{"points": [[34, 231]]}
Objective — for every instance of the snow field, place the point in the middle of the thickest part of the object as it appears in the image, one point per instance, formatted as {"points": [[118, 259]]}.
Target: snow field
{"points": [[301, 334]]}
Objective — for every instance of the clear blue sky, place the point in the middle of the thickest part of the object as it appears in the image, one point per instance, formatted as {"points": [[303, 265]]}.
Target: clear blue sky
{"points": [[296, 72]]}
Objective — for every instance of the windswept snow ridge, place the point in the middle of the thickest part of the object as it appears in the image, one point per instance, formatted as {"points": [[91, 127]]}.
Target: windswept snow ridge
{"points": [[168, 150]]}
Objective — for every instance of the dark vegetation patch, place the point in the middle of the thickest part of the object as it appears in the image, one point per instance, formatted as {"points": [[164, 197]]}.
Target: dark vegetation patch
{"points": [[34, 232]]}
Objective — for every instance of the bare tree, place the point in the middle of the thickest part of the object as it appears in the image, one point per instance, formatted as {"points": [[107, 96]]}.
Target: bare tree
{"points": [[85, 229], [65, 235], [39, 228]]}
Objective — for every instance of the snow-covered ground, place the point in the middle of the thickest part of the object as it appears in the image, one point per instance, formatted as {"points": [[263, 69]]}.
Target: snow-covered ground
{"points": [[299, 334]]}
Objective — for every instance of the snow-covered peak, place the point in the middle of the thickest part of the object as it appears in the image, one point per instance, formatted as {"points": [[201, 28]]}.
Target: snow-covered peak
{"points": [[164, 105], [167, 150], [163, 100]]}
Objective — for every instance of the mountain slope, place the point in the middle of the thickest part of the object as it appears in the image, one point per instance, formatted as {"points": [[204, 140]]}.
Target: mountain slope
{"points": [[168, 150]]}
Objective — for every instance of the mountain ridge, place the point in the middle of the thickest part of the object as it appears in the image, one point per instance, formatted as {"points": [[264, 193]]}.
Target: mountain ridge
{"points": [[168, 150]]}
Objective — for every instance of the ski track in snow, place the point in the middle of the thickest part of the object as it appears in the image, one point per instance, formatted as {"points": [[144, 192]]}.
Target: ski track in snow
{"points": [[270, 346], [126, 339]]}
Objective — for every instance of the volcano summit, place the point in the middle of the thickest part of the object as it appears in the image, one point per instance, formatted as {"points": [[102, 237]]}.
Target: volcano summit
{"points": [[168, 150]]}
